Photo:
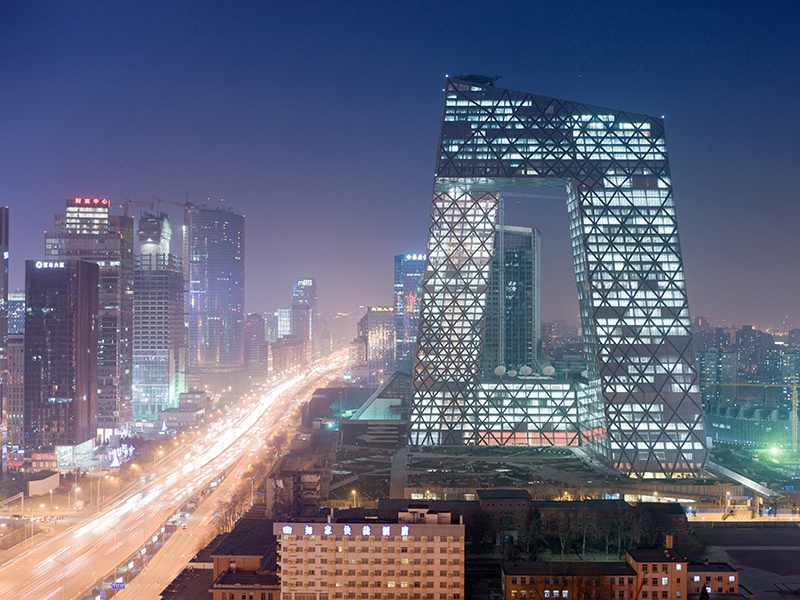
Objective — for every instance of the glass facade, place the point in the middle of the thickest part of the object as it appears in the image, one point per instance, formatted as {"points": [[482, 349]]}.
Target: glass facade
{"points": [[61, 353], [88, 232], [628, 268], [409, 270], [159, 337], [513, 330], [304, 311], [216, 290]]}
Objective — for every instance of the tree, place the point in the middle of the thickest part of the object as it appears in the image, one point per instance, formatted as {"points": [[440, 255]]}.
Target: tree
{"points": [[481, 530], [530, 539]]}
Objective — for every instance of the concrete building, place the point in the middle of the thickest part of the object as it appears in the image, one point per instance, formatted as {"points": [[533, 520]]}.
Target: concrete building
{"points": [[87, 231], [245, 561], [409, 559], [650, 574], [568, 580]]}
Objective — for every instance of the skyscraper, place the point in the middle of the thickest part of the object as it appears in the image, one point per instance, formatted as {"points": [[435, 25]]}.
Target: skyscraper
{"points": [[14, 406], [88, 232], [216, 290], [61, 357], [256, 349], [631, 288], [409, 270], [304, 309], [159, 337], [16, 312], [283, 318], [376, 328], [512, 330], [4, 389]]}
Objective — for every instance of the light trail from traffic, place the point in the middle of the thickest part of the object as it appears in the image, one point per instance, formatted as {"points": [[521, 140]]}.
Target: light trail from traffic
{"points": [[73, 562]]}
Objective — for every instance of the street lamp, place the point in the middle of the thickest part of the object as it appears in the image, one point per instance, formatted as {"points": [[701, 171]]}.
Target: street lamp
{"points": [[69, 497], [354, 498], [157, 456]]}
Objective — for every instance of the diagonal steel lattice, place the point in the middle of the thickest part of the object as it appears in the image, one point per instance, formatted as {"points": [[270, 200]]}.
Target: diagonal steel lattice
{"points": [[643, 410]]}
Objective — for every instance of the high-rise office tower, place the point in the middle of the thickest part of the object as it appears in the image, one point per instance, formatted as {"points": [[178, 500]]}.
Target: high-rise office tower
{"points": [[409, 270], [16, 312], [159, 336], [61, 357], [3, 330], [304, 309], [88, 232], [376, 328], [256, 348], [14, 407], [717, 372], [284, 323], [216, 290], [631, 288], [512, 331], [3, 281]]}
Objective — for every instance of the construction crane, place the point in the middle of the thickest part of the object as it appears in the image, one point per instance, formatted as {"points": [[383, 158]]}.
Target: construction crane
{"points": [[793, 385], [128, 203], [188, 208]]}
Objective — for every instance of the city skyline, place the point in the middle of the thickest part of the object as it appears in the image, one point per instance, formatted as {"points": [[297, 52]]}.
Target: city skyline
{"points": [[277, 112]]}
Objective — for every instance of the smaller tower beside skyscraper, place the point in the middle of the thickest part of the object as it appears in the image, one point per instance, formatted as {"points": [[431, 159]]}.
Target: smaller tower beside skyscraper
{"points": [[409, 271], [512, 330], [159, 337], [61, 365], [87, 231]]}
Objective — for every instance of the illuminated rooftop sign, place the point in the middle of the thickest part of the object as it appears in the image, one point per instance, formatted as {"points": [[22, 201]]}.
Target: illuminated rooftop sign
{"points": [[47, 264], [90, 202], [348, 530]]}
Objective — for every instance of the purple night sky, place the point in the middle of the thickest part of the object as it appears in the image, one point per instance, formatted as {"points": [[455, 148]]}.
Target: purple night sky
{"points": [[319, 122]]}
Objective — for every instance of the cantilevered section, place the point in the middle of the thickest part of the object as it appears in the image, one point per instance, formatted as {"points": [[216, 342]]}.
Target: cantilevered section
{"points": [[628, 269]]}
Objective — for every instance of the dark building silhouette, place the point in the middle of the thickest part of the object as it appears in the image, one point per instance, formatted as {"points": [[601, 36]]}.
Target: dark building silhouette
{"points": [[61, 347], [88, 232]]}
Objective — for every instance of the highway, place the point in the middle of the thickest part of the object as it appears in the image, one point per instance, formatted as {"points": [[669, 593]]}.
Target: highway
{"points": [[73, 562]]}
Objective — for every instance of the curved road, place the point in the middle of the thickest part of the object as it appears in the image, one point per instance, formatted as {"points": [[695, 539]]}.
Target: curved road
{"points": [[73, 562]]}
